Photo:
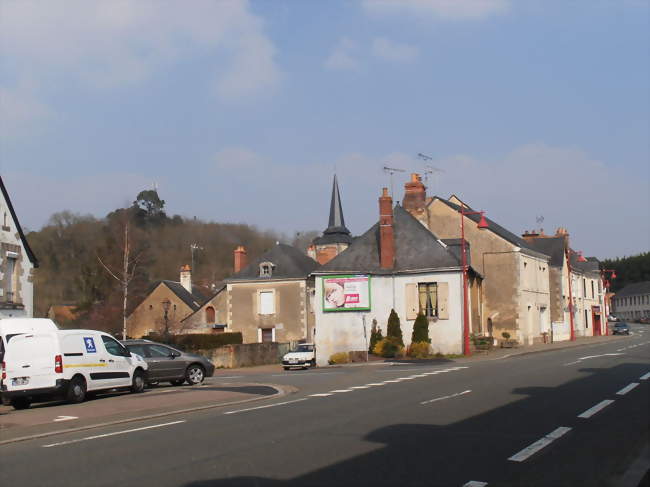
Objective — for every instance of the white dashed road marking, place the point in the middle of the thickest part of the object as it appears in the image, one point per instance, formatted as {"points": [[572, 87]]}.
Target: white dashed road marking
{"points": [[324, 394], [342, 390], [360, 387], [627, 389], [591, 411], [475, 483], [373, 384], [539, 444], [65, 418], [593, 356], [446, 397], [266, 406], [645, 376]]}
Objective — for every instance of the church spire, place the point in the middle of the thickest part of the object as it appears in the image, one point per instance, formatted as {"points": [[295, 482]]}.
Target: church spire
{"points": [[336, 222], [336, 238]]}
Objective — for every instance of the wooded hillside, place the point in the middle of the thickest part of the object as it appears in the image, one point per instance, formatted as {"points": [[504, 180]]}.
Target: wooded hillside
{"points": [[629, 269]]}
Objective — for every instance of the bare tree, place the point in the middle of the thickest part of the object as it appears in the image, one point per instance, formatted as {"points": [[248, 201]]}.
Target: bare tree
{"points": [[126, 274]]}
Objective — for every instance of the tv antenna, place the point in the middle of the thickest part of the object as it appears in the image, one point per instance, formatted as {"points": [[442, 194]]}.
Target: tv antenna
{"points": [[391, 171], [194, 247], [428, 168]]}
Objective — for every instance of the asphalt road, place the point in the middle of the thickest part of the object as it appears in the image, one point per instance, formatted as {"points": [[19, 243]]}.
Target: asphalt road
{"points": [[569, 417]]}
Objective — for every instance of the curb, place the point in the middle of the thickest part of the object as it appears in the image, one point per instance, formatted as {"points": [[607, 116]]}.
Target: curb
{"points": [[281, 392]]}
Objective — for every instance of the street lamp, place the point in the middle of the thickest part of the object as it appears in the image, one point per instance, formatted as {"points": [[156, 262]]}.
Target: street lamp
{"points": [[166, 304], [481, 224]]}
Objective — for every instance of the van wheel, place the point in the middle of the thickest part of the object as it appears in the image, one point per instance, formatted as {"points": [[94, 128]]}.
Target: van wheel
{"points": [[21, 403], [76, 390], [194, 375], [138, 383]]}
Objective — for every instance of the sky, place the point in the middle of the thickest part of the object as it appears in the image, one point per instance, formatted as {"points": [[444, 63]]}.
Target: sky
{"points": [[242, 111]]}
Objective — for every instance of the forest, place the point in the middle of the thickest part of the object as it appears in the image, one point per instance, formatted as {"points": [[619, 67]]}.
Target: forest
{"points": [[80, 254], [629, 270]]}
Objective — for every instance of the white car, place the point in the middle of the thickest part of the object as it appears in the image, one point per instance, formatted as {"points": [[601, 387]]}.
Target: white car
{"points": [[67, 363], [304, 356]]}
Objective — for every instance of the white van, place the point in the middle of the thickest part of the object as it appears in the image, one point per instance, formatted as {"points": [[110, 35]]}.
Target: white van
{"points": [[68, 364]]}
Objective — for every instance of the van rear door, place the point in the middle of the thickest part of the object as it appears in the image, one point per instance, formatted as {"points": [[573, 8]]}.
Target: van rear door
{"points": [[30, 361]]}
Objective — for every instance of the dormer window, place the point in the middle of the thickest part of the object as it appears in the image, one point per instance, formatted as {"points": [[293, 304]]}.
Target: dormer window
{"points": [[266, 269]]}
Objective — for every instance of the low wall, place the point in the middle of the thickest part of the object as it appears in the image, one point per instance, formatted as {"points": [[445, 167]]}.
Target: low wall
{"points": [[246, 355]]}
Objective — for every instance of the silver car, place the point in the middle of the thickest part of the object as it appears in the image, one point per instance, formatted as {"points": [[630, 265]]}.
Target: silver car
{"points": [[167, 364]]}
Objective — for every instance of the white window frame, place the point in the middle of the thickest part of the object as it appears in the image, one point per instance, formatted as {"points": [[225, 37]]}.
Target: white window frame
{"points": [[259, 301]]}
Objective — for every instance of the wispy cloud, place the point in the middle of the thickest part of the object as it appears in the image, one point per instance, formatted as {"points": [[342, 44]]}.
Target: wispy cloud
{"points": [[394, 51], [344, 56], [443, 9]]}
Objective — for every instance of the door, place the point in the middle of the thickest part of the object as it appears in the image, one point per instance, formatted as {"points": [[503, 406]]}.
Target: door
{"points": [[30, 362], [164, 363], [267, 335], [595, 319], [118, 371]]}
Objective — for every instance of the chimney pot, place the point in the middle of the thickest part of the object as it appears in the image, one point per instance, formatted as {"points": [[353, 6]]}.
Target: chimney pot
{"points": [[240, 258]]}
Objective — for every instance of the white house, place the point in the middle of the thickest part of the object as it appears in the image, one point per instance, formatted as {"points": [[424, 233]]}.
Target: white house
{"points": [[397, 264], [17, 263]]}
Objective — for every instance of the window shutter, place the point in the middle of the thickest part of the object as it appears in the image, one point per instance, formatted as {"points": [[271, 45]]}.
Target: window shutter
{"points": [[412, 297], [443, 298]]}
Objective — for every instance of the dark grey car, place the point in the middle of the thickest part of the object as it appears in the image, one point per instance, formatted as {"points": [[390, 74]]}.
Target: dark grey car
{"points": [[167, 364]]}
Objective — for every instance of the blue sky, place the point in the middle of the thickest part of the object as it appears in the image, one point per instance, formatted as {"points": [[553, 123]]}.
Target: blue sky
{"points": [[241, 111]]}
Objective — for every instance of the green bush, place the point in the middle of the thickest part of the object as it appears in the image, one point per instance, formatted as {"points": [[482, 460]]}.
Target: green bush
{"points": [[394, 330], [506, 335], [375, 336], [339, 358], [198, 341], [420, 329], [388, 347], [419, 350]]}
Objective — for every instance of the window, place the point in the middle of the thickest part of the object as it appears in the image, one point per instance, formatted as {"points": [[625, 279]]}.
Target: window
{"points": [[586, 319], [9, 278], [584, 288], [428, 299], [267, 335], [137, 349], [150, 307], [113, 347], [266, 269], [158, 351], [592, 288], [210, 315], [267, 302]]}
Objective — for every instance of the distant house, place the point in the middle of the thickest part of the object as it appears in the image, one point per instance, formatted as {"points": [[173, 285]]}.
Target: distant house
{"points": [[17, 263], [633, 301], [397, 264], [266, 300], [165, 306]]}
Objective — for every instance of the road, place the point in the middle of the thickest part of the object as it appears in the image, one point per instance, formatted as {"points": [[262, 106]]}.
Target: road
{"points": [[569, 417]]}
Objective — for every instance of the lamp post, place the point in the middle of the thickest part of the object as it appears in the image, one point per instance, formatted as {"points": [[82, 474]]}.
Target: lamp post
{"points": [[166, 304], [481, 224]]}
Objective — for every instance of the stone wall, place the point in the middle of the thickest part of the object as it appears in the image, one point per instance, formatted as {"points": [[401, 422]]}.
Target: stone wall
{"points": [[246, 355]]}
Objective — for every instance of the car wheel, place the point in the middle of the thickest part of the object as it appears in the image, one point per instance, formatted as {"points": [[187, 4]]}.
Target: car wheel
{"points": [[194, 375], [286, 368], [76, 390], [21, 403], [137, 385], [312, 362], [177, 382]]}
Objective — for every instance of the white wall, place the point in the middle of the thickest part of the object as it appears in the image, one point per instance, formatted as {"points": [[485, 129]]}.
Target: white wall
{"points": [[343, 331]]}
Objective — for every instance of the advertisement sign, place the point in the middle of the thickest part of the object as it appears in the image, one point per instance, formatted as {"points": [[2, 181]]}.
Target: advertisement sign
{"points": [[346, 293]]}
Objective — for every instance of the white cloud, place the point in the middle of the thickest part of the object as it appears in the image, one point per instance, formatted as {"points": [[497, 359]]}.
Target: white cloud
{"points": [[108, 44], [20, 111], [393, 51], [443, 9], [344, 56]]}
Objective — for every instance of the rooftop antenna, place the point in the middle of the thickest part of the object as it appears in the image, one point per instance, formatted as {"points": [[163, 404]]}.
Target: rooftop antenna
{"points": [[539, 219], [193, 248], [391, 171], [155, 186], [428, 168]]}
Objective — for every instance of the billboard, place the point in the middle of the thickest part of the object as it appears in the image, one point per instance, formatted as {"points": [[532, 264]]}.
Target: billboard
{"points": [[346, 293]]}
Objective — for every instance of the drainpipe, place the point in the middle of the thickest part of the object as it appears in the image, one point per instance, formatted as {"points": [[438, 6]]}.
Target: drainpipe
{"points": [[568, 260]]}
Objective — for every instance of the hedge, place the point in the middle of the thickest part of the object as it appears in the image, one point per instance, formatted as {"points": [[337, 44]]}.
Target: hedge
{"points": [[198, 341]]}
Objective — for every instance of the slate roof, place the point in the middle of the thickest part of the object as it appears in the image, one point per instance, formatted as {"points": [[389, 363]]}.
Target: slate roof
{"points": [[551, 246], [30, 253], [592, 265], [194, 300], [288, 261], [497, 229], [634, 289], [416, 248]]}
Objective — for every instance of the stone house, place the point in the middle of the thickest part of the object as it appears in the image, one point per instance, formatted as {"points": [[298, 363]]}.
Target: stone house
{"points": [[267, 300], [17, 264], [516, 295], [633, 301], [397, 264], [165, 305]]}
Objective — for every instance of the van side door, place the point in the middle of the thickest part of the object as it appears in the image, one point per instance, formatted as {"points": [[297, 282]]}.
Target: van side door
{"points": [[119, 365]]}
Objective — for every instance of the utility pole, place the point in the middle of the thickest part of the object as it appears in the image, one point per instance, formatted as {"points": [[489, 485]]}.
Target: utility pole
{"points": [[194, 247]]}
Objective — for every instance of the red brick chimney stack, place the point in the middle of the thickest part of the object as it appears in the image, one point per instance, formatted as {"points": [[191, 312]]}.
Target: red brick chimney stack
{"points": [[386, 235], [415, 194], [241, 258]]}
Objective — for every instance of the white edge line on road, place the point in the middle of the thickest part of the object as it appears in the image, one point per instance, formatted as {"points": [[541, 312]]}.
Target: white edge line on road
{"points": [[265, 406], [475, 483], [65, 418], [645, 376], [373, 384], [446, 397], [360, 387], [627, 389], [539, 444], [342, 390], [392, 381], [322, 394], [593, 410], [112, 434]]}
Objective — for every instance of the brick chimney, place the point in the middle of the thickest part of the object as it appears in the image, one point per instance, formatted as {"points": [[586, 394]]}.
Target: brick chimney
{"points": [[386, 235], [415, 194], [186, 278], [241, 258]]}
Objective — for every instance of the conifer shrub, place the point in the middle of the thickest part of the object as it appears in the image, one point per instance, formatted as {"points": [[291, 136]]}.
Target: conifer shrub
{"points": [[375, 336], [420, 329], [419, 350], [389, 347], [394, 330]]}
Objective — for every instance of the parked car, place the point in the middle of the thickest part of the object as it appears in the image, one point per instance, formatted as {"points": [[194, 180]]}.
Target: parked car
{"points": [[620, 328], [612, 318], [303, 356], [67, 363], [168, 364]]}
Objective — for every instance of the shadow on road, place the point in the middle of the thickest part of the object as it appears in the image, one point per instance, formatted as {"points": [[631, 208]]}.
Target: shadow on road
{"points": [[478, 448]]}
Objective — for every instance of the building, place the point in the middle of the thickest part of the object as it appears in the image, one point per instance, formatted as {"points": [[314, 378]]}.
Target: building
{"points": [[632, 302], [267, 300], [397, 264], [17, 264], [165, 306], [336, 238], [516, 295]]}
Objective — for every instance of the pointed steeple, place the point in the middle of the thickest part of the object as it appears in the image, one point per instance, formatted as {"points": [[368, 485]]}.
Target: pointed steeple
{"points": [[337, 222]]}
